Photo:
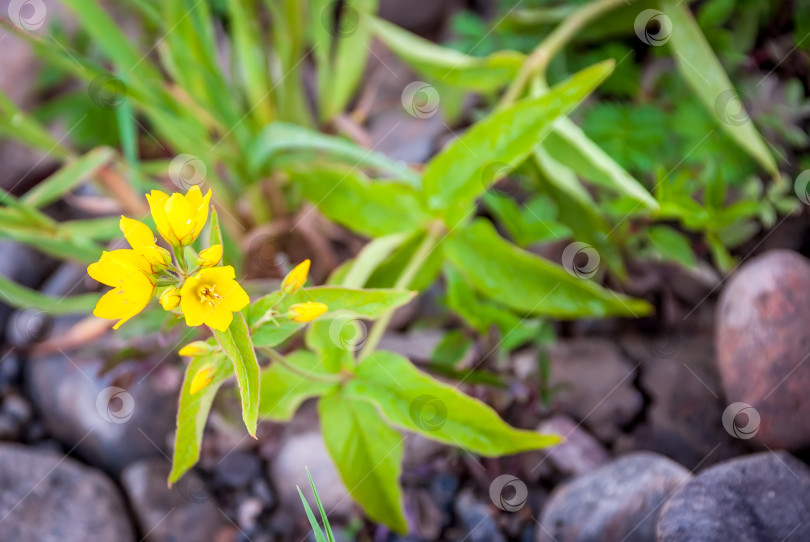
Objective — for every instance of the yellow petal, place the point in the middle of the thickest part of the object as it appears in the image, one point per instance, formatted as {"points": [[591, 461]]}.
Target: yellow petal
{"points": [[307, 312], [219, 318], [211, 256], [180, 216], [296, 278], [201, 211], [157, 205], [136, 233], [201, 379]]}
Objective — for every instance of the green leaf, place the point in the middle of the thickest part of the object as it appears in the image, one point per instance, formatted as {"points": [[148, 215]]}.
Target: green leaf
{"points": [[417, 402], [568, 144], [55, 243], [491, 148], [387, 207], [671, 245], [445, 65], [370, 257], [313, 523], [21, 297], [284, 389], [325, 519], [368, 455], [14, 123], [280, 138], [528, 283], [388, 272], [68, 177], [704, 73], [193, 410], [236, 344], [97, 229]]}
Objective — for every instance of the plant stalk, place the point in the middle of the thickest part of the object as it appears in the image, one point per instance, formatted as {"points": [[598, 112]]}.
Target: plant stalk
{"points": [[539, 59], [404, 281]]}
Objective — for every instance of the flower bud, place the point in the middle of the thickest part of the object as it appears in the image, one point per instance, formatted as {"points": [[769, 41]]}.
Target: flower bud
{"points": [[195, 349], [306, 312], [296, 278], [170, 298], [201, 379], [211, 256]]}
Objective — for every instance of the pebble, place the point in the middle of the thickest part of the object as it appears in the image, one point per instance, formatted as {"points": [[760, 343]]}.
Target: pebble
{"points": [[49, 497], [763, 345], [764, 496], [618, 501]]}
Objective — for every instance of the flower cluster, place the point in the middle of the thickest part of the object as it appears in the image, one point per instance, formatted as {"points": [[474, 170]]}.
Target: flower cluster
{"points": [[205, 292]]}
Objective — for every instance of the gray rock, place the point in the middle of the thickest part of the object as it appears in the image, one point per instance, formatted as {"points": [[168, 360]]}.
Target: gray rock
{"points": [[684, 417], [579, 453], [186, 512], [764, 496], [237, 469], [110, 422], [619, 501], [762, 345], [595, 385], [288, 471], [48, 497], [476, 520], [23, 265]]}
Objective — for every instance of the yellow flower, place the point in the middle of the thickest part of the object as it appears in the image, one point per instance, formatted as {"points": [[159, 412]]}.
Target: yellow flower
{"points": [[211, 256], [142, 241], [307, 312], [296, 278], [194, 349], [201, 379], [130, 276], [210, 297], [179, 218], [170, 298]]}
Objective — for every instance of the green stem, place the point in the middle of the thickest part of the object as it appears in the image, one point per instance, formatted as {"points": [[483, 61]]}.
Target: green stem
{"points": [[539, 59], [404, 281], [180, 256]]}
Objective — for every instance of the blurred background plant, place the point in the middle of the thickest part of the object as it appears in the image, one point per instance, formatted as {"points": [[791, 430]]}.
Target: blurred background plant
{"points": [[682, 155]]}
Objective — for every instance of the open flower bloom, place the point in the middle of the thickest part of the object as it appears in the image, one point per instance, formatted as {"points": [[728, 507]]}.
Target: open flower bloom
{"points": [[130, 276], [143, 241], [211, 296], [307, 311], [179, 218]]}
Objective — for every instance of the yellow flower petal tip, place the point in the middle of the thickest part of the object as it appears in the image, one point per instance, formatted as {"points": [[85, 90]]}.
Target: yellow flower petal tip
{"points": [[179, 218], [296, 278], [211, 296], [170, 298], [307, 312], [201, 379], [194, 349], [132, 284], [211, 256]]}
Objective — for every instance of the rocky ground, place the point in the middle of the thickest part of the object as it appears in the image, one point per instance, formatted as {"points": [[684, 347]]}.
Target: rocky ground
{"points": [[691, 425]]}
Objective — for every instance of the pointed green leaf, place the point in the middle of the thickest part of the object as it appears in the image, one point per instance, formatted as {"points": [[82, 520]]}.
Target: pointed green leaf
{"points": [[527, 283], [704, 73], [193, 409], [417, 402], [497, 144], [368, 455], [68, 177], [236, 344], [18, 296]]}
